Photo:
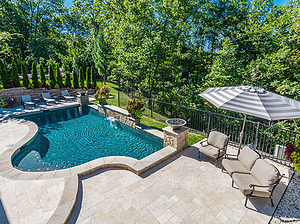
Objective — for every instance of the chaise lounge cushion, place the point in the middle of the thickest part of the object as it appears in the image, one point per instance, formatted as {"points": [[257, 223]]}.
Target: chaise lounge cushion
{"points": [[248, 157], [233, 166], [243, 181], [269, 175], [211, 151], [217, 139]]}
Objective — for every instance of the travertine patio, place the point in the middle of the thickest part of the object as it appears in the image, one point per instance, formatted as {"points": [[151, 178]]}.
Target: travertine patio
{"points": [[183, 189]]}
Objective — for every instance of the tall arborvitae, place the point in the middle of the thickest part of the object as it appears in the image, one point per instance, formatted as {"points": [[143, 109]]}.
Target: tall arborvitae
{"points": [[93, 77], [81, 78], [42, 74], [68, 79], [75, 79], [34, 76], [52, 76], [24, 75], [14, 75], [3, 74], [59, 78], [88, 77]]}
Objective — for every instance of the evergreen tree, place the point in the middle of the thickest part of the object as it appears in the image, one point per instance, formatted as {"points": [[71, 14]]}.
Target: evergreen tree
{"points": [[88, 77], [3, 74], [24, 75], [15, 75], [42, 74], [93, 77], [58, 76], [52, 77], [68, 79], [100, 55], [34, 76], [81, 78], [75, 79]]}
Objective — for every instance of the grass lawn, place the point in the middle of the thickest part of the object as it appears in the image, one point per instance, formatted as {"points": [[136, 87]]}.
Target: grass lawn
{"points": [[193, 138]]}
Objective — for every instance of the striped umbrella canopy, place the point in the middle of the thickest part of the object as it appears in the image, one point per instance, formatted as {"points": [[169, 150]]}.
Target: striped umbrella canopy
{"points": [[253, 101]]}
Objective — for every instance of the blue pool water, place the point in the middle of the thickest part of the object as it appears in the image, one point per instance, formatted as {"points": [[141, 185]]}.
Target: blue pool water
{"points": [[73, 136]]}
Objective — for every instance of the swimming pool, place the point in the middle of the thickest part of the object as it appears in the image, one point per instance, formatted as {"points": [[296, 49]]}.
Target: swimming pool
{"points": [[73, 136]]}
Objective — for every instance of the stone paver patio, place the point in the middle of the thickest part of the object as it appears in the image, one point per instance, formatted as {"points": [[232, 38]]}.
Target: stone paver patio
{"points": [[183, 189]]}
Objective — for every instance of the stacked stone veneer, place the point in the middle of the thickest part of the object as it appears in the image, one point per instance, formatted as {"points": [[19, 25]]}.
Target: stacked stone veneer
{"points": [[37, 93], [177, 139], [117, 113], [82, 100]]}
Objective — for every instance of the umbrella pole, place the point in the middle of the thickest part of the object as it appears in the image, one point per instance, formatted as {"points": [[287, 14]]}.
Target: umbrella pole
{"points": [[242, 134]]}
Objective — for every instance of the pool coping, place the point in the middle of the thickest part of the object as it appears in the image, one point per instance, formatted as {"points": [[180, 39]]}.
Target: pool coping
{"points": [[71, 175]]}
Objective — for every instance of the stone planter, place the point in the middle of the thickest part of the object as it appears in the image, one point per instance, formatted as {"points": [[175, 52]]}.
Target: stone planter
{"points": [[137, 121], [175, 123]]}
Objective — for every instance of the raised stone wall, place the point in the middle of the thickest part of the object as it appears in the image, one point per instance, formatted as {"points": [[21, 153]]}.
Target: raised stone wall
{"points": [[177, 139], [117, 113], [37, 93]]}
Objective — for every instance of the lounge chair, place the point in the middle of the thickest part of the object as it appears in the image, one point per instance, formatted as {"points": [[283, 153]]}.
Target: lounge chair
{"points": [[215, 145], [26, 100], [66, 95], [254, 176], [47, 98]]}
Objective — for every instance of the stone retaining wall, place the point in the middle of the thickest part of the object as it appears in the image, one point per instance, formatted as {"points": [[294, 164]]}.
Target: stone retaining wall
{"points": [[117, 113], [37, 93]]}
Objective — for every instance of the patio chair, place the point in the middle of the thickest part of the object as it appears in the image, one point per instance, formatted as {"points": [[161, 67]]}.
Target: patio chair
{"points": [[215, 145], [47, 98], [26, 100], [66, 95]]}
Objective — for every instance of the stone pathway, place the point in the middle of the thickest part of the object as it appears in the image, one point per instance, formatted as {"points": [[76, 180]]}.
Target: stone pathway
{"points": [[183, 189]]}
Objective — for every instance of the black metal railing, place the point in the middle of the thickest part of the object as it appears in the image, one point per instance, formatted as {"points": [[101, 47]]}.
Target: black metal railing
{"points": [[269, 140]]}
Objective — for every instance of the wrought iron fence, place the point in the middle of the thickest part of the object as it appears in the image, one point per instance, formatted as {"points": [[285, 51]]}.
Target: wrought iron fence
{"points": [[268, 140]]}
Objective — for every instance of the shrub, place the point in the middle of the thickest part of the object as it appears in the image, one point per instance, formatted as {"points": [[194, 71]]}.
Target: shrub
{"points": [[93, 77], [34, 77], [8, 102], [15, 75], [101, 95], [24, 75], [52, 76], [135, 107], [48, 86], [68, 79], [75, 79], [88, 77], [58, 76], [42, 75], [81, 78], [3, 74]]}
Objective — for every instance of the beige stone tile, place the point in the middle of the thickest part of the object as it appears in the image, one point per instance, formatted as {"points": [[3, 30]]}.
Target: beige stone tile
{"points": [[97, 215], [91, 200], [108, 205], [160, 205], [181, 209], [148, 219], [165, 217], [89, 212]]}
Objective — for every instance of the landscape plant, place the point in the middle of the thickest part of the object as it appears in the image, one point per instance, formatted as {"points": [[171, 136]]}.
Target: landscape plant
{"points": [[52, 77], [81, 78], [14, 75], [42, 74], [24, 75], [93, 77], [3, 74], [292, 153], [68, 79], [75, 79], [58, 76], [88, 77], [34, 76], [102, 94]]}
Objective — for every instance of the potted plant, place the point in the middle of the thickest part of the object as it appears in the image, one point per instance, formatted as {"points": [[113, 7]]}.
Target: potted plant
{"points": [[101, 95], [8, 102], [135, 107]]}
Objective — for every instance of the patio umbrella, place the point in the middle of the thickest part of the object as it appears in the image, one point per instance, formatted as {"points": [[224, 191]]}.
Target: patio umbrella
{"points": [[253, 101]]}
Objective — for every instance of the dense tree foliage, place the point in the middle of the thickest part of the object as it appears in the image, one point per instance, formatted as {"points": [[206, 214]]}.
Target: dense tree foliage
{"points": [[3, 74], [42, 74], [52, 77], [24, 75], [88, 77], [14, 75], [34, 75], [59, 78], [81, 78], [75, 79], [68, 79]]}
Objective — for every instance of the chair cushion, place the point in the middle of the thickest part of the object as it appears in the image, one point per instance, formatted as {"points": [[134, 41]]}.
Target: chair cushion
{"points": [[265, 172], [211, 151], [248, 157], [243, 181], [234, 165], [217, 139]]}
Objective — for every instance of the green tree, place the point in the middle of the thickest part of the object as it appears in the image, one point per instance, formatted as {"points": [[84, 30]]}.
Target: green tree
{"points": [[68, 79], [88, 77], [3, 74], [15, 75], [58, 76], [75, 79], [34, 76], [42, 74], [24, 75], [93, 78], [81, 78], [52, 76], [101, 55]]}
